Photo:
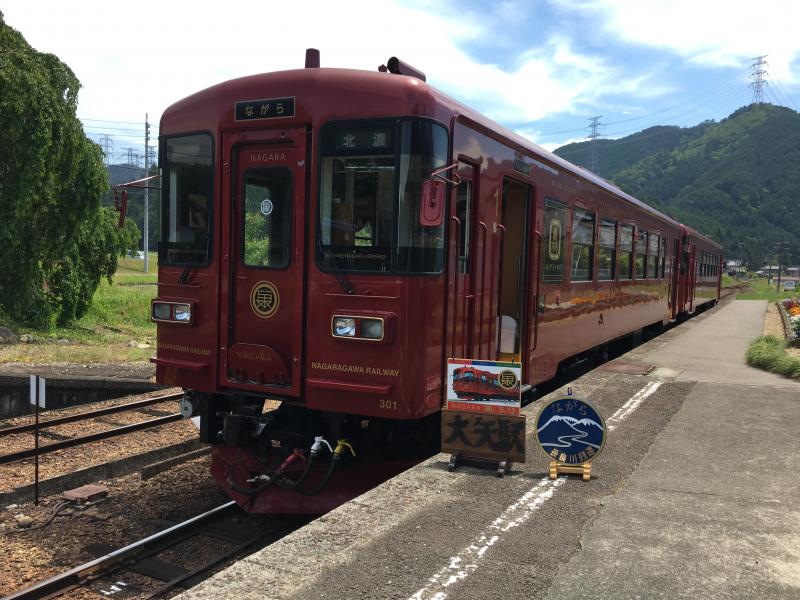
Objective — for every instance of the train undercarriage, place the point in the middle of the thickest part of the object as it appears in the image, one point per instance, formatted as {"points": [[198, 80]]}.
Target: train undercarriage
{"points": [[280, 457]]}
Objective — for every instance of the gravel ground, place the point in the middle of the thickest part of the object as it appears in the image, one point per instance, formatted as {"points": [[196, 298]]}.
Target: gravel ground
{"points": [[137, 370], [133, 510], [65, 461]]}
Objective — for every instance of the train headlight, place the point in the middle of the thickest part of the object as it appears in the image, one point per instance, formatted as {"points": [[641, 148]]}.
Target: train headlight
{"points": [[344, 327], [161, 311], [372, 329], [183, 312]]}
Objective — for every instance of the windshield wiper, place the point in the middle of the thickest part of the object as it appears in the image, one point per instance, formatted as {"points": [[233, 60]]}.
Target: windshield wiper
{"points": [[184, 278], [336, 271]]}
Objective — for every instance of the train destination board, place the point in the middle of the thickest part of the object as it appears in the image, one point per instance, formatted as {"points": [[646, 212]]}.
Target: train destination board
{"points": [[484, 386], [270, 108], [570, 431]]}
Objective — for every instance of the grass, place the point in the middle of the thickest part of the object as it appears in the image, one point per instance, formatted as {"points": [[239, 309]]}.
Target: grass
{"points": [[759, 289], [117, 322], [769, 353]]}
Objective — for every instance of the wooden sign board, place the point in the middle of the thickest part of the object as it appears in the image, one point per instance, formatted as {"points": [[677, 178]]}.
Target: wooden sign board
{"points": [[484, 435]]}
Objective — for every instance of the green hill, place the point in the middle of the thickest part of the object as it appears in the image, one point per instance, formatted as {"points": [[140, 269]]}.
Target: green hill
{"points": [[736, 180]]}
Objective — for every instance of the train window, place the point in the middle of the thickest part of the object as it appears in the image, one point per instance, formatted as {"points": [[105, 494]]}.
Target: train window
{"points": [[464, 212], [370, 183], [188, 191], [608, 249], [641, 254], [626, 252], [582, 245], [423, 149], [357, 196], [663, 255], [555, 223], [652, 256], [266, 233]]}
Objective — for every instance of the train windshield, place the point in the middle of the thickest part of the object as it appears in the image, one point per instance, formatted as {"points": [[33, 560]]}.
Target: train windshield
{"points": [[370, 185], [187, 189]]}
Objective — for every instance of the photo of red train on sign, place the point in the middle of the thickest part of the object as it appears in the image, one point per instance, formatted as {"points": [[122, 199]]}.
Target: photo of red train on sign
{"points": [[483, 386]]}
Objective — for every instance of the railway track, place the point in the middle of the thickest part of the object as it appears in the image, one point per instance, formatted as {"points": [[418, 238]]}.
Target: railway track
{"points": [[14, 429], [84, 416], [105, 573]]}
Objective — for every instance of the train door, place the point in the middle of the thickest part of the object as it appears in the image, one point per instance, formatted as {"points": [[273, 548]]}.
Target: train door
{"points": [[263, 307], [692, 275], [512, 293], [461, 283], [674, 278]]}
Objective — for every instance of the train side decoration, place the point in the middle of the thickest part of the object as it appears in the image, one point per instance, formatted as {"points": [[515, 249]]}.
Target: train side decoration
{"points": [[330, 237], [473, 384]]}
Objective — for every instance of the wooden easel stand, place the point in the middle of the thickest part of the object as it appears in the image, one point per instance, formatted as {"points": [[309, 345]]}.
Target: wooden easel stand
{"points": [[585, 470], [502, 466]]}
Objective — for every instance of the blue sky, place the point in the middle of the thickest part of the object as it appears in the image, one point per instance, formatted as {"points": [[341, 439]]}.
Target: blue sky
{"points": [[541, 68]]}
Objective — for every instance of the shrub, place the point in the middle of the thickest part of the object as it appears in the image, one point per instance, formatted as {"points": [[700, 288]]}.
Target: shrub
{"points": [[769, 354]]}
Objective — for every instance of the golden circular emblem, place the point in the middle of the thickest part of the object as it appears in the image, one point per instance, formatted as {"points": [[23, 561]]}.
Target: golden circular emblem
{"points": [[507, 379], [264, 299]]}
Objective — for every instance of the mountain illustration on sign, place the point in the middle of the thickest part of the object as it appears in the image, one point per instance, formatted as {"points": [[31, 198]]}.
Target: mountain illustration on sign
{"points": [[569, 431]]}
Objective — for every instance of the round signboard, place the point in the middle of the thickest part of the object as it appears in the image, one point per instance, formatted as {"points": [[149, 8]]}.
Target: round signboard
{"points": [[266, 207], [570, 431]]}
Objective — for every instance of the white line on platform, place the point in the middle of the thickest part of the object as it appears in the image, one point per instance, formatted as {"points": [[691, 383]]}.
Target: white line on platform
{"points": [[631, 405], [465, 562]]}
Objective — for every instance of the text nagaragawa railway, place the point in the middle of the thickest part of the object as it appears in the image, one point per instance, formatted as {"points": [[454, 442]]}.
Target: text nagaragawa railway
{"points": [[331, 237]]}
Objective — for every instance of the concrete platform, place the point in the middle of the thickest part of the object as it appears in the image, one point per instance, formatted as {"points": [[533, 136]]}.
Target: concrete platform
{"points": [[695, 496]]}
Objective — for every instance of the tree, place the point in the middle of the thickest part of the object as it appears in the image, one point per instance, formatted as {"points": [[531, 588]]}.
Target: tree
{"points": [[56, 242]]}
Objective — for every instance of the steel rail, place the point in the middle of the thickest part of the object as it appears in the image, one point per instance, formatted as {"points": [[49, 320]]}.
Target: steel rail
{"points": [[87, 415], [94, 569], [92, 437], [177, 581]]}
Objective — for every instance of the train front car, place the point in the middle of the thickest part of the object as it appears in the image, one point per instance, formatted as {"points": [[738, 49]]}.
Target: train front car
{"points": [[300, 299]]}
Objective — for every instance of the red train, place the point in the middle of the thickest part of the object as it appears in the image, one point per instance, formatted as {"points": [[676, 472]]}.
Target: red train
{"points": [[330, 237], [473, 384]]}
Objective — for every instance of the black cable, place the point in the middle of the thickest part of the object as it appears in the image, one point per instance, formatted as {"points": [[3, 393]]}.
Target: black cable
{"points": [[53, 514], [324, 482]]}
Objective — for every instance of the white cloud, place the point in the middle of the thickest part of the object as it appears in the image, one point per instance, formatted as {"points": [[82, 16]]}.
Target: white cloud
{"points": [[549, 79], [535, 136], [715, 33], [140, 58]]}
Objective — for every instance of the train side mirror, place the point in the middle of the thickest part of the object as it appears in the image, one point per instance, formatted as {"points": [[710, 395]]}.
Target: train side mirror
{"points": [[431, 208]]}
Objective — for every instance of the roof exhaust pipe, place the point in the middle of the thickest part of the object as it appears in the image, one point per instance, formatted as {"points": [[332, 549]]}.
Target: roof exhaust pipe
{"points": [[398, 67], [312, 58]]}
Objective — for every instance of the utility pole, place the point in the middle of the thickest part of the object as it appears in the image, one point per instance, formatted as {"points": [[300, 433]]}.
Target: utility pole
{"points": [[780, 247], [594, 126], [758, 74], [146, 194]]}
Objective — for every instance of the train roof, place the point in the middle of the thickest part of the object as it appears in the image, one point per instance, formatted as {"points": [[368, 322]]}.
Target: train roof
{"points": [[357, 92]]}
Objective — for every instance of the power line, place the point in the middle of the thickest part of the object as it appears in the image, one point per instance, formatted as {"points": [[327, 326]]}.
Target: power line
{"points": [[118, 122], [791, 101]]}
